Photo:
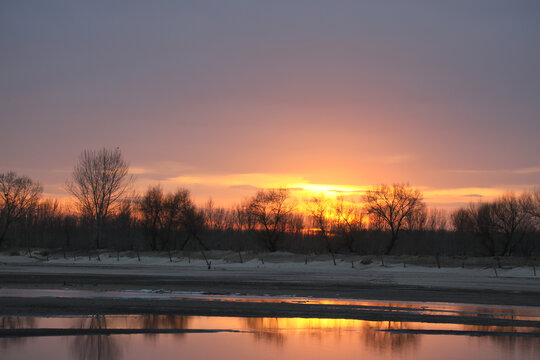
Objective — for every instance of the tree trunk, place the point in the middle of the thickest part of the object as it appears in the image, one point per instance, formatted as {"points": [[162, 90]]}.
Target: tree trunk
{"points": [[391, 245], [199, 240], [272, 246], [269, 243], [3, 235], [153, 243], [98, 228], [185, 242], [4, 232]]}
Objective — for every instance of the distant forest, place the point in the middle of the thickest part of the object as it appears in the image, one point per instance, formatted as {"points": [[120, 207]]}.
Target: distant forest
{"points": [[388, 219]]}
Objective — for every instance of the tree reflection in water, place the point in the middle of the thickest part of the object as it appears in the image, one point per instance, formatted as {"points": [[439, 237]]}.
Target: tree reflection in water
{"points": [[163, 322], [387, 342], [15, 322], [90, 347], [267, 329], [513, 343], [276, 330], [508, 343]]}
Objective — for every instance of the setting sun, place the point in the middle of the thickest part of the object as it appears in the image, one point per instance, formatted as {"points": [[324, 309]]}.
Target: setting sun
{"points": [[269, 179], [331, 191]]}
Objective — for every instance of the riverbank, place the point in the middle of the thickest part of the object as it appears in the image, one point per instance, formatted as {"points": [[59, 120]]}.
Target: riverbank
{"points": [[281, 274], [65, 304]]}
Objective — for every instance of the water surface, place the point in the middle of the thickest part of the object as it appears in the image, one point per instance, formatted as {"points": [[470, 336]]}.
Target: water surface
{"points": [[260, 338], [202, 337]]}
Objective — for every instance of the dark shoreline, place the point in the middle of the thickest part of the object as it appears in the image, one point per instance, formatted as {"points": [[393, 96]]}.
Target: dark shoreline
{"points": [[268, 286], [59, 306], [18, 333], [423, 285]]}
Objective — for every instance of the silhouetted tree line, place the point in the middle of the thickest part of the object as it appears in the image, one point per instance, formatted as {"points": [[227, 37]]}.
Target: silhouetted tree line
{"points": [[386, 220], [508, 225]]}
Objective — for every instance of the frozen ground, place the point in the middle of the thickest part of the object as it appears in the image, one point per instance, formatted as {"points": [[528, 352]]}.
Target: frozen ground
{"points": [[472, 280], [288, 269]]}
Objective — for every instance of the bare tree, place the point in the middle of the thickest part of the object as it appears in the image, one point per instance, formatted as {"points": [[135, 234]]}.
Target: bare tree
{"points": [[296, 225], [417, 220], [242, 217], [271, 210], [480, 220], [319, 210], [461, 220], [151, 209], [192, 220], [392, 205], [45, 215], [172, 216], [100, 180], [531, 203], [19, 196], [215, 217], [187, 215], [499, 225], [437, 220], [350, 221], [509, 217], [124, 224]]}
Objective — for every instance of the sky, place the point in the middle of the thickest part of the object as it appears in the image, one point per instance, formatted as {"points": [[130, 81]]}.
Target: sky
{"points": [[224, 97]]}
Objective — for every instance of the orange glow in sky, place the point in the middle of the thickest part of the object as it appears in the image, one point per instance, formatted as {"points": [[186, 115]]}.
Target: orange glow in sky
{"points": [[312, 96], [229, 189]]}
